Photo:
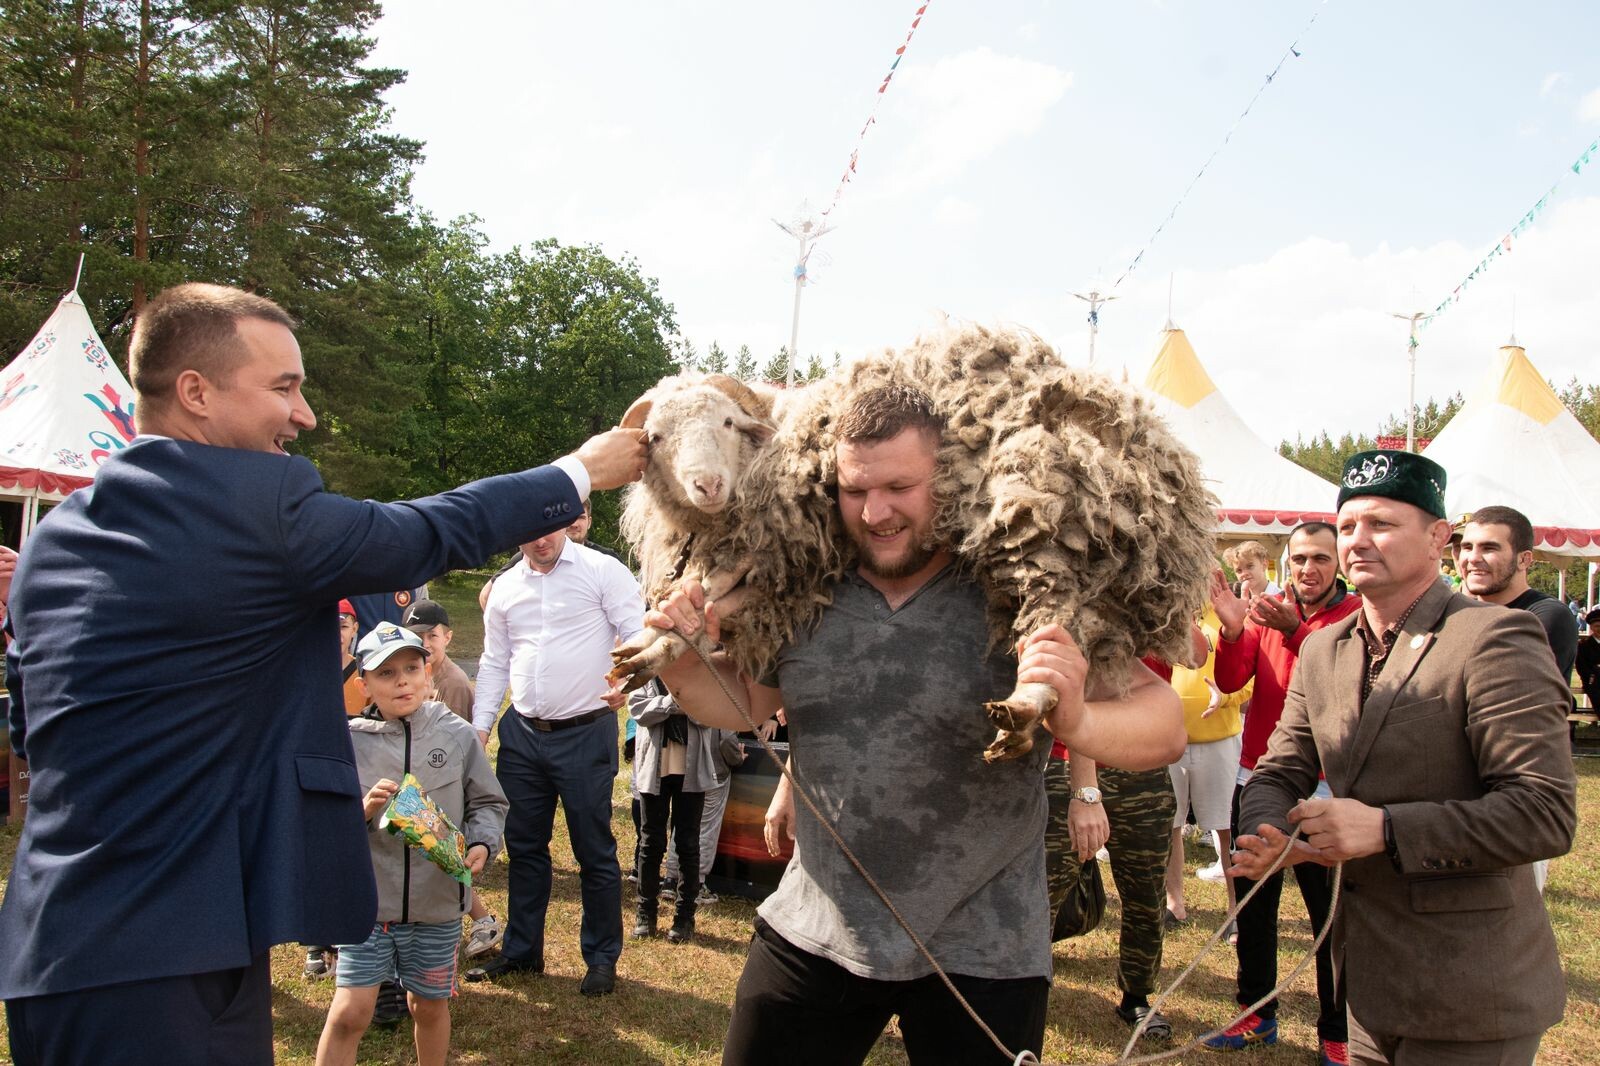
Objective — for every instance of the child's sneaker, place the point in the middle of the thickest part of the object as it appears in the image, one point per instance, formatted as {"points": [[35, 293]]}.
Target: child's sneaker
{"points": [[1248, 1031], [1335, 1053], [706, 897], [669, 889], [391, 1008], [487, 932], [319, 962]]}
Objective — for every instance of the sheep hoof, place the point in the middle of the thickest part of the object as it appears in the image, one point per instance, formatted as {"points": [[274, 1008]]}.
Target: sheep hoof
{"points": [[1023, 708], [637, 662], [1009, 745]]}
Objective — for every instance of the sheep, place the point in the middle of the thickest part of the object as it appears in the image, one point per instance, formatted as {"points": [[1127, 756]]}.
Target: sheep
{"points": [[720, 452], [1064, 494]]}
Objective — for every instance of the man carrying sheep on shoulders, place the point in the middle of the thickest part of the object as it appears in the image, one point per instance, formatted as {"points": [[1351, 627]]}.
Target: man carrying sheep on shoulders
{"points": [[879, 698]]}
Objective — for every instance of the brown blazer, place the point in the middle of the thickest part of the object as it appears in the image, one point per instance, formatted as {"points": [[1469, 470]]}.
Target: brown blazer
{"points": [[1464, 739]]}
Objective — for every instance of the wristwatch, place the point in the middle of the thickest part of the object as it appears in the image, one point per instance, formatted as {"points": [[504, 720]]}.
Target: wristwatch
{"points": [[1087, 794]]}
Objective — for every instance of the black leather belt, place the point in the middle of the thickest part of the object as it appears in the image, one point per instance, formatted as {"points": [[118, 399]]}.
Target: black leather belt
{"points": [[551, 725]]}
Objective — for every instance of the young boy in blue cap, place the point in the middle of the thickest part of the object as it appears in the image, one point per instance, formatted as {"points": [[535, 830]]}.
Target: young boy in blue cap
{"points": [[418, 932]]}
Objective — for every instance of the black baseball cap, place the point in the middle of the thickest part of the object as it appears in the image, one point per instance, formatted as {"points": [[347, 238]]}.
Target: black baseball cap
{"points": [[428, 613]]}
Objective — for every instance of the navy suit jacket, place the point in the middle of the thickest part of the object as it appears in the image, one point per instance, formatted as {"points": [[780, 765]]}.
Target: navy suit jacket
{"points": [[176, 689]]}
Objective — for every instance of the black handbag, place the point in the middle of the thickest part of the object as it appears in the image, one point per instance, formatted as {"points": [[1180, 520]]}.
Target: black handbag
{"points": [[1084, 906]]}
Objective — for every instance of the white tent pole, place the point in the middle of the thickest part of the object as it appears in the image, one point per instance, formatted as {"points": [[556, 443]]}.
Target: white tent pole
{"points": [[1593, 569], [1561, 585], [79, 275], [1411, 392], [30, 516]]}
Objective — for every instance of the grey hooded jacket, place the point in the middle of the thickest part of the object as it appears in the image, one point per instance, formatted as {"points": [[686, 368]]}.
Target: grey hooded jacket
{"points": [[705, 766], [442, 750]]}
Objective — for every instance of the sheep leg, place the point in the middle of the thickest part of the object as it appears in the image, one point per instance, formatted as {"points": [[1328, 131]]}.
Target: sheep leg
{"points": [[635, 662], [639, 660], [1017, 717], [1008, 744]]}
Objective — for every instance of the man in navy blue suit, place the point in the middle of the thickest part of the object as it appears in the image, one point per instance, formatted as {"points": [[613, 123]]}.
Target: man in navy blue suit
{"points": [[175, 689]]}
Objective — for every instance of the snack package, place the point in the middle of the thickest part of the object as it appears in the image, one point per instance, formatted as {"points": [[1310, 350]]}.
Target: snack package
{"points": [[414, 816]]}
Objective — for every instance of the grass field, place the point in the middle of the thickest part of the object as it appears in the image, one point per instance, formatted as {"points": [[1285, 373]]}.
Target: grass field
{"points": [[672, 1001]]}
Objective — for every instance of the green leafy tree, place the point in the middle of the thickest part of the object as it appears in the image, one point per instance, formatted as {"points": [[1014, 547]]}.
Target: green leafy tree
{"points": [[576, 337], [1584, 402]]}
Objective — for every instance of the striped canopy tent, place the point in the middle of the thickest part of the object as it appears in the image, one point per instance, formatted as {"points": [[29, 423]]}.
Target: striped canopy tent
{"points": [[1514, 443], [64, 407], [1261, 494]]}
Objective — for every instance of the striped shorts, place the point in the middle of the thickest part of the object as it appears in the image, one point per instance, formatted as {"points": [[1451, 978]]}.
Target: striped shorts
{"points": [[421, 954]]}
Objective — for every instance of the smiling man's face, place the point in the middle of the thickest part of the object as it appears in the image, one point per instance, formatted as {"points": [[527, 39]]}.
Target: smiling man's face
{"points": [[886, 501], [259, 407]]}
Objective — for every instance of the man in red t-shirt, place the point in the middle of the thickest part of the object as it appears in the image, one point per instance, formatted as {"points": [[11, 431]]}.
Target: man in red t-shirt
{"points": [[1261, 640]]}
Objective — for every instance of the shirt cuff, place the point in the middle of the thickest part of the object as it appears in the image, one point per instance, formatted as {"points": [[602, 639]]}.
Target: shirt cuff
{"points": [[573, 467]]}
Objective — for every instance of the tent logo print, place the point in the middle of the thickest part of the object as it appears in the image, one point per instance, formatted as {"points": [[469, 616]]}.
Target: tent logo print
{"points": [[66, 457], [95, 354], [14, 390]]}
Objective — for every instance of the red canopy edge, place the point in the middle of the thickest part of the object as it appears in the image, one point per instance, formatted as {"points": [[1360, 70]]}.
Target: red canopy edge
{"points": [[1270, 518], [16, 477], [1560, 536]]}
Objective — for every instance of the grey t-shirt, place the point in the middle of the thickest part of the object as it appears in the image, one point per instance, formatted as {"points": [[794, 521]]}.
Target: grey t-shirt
{"points": [[886, 730]]}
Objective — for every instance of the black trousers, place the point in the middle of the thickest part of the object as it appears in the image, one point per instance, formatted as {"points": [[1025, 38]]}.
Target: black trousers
{"points": [[682, 810], [1258, 942], [793, 1007], [575, 766], [223, 1018]]}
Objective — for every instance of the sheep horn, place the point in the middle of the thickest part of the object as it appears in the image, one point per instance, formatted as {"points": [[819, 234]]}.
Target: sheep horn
{"points": [[749, 401], [637, 412]]}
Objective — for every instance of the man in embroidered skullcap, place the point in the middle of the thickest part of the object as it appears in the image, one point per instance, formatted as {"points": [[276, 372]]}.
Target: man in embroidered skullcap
{"points": [[1440, 723]]}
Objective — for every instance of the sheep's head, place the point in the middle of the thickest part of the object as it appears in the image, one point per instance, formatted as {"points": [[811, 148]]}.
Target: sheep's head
{"points": [[703, 433]]}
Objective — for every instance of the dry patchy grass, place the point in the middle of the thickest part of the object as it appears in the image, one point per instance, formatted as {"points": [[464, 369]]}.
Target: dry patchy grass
{"points": [[672, 1001]]}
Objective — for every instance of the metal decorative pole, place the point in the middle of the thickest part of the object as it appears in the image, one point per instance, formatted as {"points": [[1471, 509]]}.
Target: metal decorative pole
{"points": [[806, 231], [1094, 300], [1411, 391]]}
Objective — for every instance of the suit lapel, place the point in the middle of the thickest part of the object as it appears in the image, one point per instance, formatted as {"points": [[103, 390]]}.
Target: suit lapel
{"points": [[1348, 663], [1415, 641]]}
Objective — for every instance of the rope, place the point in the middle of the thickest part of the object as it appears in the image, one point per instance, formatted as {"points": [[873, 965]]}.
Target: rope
{"points": [[1026, 1057]]}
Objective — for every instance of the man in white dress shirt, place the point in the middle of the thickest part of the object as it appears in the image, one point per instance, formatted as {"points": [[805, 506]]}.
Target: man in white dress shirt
{"points": [[548, 629]]}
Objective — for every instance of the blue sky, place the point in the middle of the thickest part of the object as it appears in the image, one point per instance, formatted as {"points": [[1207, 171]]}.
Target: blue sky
{"points": [[1027, 149]]}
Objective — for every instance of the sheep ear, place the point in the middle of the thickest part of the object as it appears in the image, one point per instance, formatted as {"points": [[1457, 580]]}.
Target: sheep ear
{"points": [[758, 430], [637, 413]]}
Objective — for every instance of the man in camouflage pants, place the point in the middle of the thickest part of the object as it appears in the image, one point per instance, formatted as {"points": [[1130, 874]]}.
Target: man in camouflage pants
{"points": [[1130, 814]]}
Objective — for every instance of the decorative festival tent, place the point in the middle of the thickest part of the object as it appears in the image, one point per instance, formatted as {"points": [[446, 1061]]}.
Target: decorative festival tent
{"points": [[1515, 443], [64, 407], [1261, 493]]}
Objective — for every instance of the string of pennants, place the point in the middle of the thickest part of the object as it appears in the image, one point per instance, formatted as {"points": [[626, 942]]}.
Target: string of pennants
{"points": [[1292, 51], [872, 116], [1504, 244]]}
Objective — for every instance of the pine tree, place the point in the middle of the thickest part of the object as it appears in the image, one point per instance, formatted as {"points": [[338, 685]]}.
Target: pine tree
{"points": [[716, 360], [744, 366], [815, 371], [777, 368]]}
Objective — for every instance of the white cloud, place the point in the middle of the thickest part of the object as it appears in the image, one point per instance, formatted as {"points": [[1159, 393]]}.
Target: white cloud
{"points": [[1302, 341], [961, 109], [1551, 80], [1589, 106]]}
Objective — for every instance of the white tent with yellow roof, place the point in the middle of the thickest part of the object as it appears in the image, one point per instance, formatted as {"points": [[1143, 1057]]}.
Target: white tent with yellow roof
{"points": [[1260, 493], [1514, 443]]}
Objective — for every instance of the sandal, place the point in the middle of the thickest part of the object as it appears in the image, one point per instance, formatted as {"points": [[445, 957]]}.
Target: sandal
{"points": [[1157, 1028]]}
